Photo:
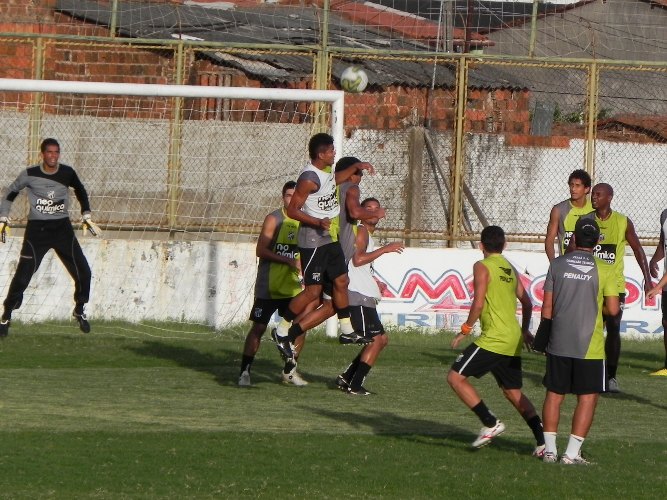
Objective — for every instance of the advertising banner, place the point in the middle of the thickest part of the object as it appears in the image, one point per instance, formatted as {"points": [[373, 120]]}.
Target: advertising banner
{"points": [[431, 289]]}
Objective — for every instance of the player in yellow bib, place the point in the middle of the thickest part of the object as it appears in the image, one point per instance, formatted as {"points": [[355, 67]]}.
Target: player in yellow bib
{"points": [[498, 349], [564, 215], [616, 231], [278, 281]]}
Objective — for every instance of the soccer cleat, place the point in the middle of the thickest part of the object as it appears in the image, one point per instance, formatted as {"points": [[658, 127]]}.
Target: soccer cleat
{"points": [[244, 379], [4, 328], [486, 434], [353, 338], [549, 458], [342, 383], [358, 392], [612, 386], [285, 347], [84, 326], [660, 373], [578, 460], [539, 451], [293, 378]]}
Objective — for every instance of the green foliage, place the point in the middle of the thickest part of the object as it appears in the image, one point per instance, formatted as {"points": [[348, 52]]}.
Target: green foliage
{"points": [[135, 412], [577, 115]]}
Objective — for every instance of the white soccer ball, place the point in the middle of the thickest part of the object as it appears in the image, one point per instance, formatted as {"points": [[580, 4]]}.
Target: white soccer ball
{"points": [[354, 79]]}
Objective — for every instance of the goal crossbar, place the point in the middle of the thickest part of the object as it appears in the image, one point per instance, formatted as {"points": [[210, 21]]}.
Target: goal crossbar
{"points": [[335, 97]]}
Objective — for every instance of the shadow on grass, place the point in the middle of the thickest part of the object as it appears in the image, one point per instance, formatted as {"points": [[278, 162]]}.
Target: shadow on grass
{"points": [[625, 396], [223, 365], [418, 430]]}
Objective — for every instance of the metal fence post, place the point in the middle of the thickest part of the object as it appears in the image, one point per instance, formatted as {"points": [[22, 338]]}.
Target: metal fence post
{"points": [[35, 125], [592, 94], [461, 99], [175, 138]]}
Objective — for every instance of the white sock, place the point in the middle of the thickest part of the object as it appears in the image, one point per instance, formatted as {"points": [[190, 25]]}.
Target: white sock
{"points": [[282, 328], [550, 443], [574, 446], [346, 326]]}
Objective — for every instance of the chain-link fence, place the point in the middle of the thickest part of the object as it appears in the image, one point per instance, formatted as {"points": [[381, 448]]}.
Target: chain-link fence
{"points": [[465, 143]]}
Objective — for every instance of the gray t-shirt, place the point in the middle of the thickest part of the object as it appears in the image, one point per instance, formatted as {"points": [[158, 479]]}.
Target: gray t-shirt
{"points": [[579, 282], [315, 237], [346, 233], [48, 193]]}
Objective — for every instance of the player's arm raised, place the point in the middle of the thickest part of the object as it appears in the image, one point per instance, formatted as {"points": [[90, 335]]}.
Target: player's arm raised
{"points": [[354, 208], [345, 174]]}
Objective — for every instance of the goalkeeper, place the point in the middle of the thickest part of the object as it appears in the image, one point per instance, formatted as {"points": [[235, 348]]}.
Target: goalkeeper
{"points": [[48, 227]]}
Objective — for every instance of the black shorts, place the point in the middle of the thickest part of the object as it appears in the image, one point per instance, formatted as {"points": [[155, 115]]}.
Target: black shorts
{"points": [[476, 362], [322, 263], [575, 376], [366, 319], [263, 309]]}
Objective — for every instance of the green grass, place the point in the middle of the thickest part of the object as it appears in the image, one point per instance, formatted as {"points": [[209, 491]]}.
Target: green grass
{"points": [[138, 412]]}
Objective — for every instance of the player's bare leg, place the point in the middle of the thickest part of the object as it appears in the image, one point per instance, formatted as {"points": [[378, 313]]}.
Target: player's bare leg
{"points": [[467, 393], [527, 410]]}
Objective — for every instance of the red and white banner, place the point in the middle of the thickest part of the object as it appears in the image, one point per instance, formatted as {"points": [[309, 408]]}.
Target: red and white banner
{"points": [[432, 289]]}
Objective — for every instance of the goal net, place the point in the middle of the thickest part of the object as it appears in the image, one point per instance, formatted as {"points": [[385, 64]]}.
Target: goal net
{"points": [[180, 179]]}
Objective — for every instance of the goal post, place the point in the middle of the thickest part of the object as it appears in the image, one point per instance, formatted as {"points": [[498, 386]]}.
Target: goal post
{"points": [[180, 177]]}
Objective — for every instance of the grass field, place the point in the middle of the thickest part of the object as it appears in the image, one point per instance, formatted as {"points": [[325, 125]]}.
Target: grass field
{"points": [[127, 413]]}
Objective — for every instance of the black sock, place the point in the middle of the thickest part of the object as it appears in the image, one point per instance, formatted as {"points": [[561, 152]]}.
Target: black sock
{"points": [[289, 315], [483, 413], [611, 371], [7, 315], [360, 375], [349, 372], [294, 332], [343, 313], [78, 308], [246, 361], [535, 424], [289, 367]]}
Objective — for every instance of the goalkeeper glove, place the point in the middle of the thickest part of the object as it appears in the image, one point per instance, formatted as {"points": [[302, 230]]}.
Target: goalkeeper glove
{"points": [[90, 226], [4, 229]]}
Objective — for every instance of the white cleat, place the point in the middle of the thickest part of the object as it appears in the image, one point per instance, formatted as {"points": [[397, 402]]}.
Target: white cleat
{"points": [[487, 434], [293, 378], [578, 460], [244, 379]]}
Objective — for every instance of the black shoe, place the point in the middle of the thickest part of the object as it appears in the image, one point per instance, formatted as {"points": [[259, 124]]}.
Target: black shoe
{"points": [[4, 328], [84, 326], [285, 347], [342, 383], [358, 392], [353, 338]]}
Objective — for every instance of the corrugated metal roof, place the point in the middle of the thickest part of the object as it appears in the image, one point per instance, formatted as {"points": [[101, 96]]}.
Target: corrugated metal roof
{"points": [[280, 26]]}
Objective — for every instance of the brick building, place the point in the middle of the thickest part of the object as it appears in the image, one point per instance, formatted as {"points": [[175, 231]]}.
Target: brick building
{"points": [[399, 93]]}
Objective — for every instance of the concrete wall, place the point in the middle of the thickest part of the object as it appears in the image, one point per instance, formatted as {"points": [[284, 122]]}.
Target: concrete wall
{"points": [[191, 282]]}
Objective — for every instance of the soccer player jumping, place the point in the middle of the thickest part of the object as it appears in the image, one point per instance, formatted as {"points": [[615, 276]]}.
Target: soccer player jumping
{"points": [[48, 227]]}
